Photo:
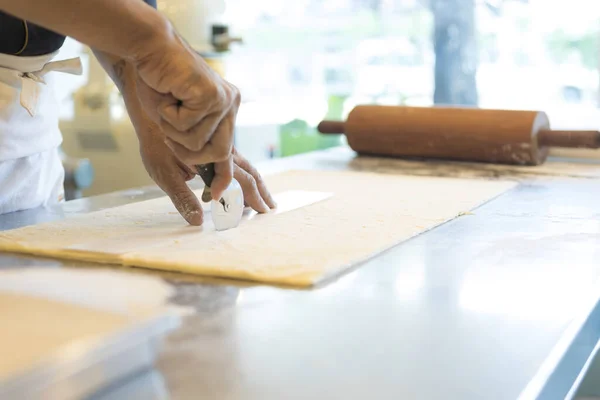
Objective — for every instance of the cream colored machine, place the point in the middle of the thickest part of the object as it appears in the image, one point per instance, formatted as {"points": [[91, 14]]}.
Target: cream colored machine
{"points": [[100, 130]]}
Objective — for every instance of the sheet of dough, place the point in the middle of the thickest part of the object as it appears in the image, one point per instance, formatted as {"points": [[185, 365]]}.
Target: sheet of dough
{"points": [[368, 213]]}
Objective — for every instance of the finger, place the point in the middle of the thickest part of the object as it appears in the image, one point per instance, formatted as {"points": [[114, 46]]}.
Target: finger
{"points": [[182, 116], [187, 111], [221, 142], [184, 200], [217, 149], [252, 195], [245, 165], [197, 137], [222, 179], [191, 158]]}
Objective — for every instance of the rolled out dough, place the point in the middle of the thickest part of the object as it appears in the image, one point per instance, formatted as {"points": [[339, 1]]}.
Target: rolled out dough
{"points": [[36, 328], [366, 214]]}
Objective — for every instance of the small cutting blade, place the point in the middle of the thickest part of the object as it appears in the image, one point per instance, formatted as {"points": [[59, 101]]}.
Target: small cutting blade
{"points": [[228, 210]]}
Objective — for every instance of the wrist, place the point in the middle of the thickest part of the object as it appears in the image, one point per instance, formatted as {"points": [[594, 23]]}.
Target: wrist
{"points": [[157, 36]]}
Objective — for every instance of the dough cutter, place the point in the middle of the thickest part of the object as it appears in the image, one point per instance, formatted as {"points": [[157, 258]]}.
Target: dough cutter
{"points": [[228, 210]]}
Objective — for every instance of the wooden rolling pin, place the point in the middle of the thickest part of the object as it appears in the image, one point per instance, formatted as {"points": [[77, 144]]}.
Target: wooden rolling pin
{"points": [[467, 134]]}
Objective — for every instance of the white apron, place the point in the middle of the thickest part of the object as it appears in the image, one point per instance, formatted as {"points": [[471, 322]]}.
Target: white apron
{"points": [[31, 171]]}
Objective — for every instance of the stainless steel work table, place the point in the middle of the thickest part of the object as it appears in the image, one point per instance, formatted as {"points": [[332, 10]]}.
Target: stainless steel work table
{"points": [[493, 305]]}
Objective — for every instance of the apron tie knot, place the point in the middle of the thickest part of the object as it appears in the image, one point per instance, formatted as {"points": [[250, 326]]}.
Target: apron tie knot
{"points": [[29, 82]]}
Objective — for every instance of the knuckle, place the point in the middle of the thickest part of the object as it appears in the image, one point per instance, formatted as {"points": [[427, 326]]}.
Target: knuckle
{"points": [[195, 91], [193, 144], [236, 96], [195, 147], [198, 144], [251, 169], [194, 140], [242, 163], [254, 172], [214, 91], [189, 87], [253, 185], [221, 153], [230, 95], [245, 165], [250, 184], [185, 158], [177, 124]]}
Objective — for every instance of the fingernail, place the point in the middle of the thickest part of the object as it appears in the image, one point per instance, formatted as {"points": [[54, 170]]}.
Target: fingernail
{"points": [[265, 206]]}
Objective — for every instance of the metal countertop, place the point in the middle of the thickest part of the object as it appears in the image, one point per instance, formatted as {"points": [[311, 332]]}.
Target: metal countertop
{"points": [[493, 305]]}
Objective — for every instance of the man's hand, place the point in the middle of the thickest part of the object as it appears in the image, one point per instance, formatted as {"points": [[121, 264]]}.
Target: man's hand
{"points": [[171, 175], [161, 163], [195, 108]]}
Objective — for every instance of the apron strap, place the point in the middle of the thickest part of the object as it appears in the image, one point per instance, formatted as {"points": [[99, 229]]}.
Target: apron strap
{"points": [[29, 82]]}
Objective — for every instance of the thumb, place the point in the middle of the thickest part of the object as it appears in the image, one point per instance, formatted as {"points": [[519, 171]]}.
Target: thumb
{"points": [[223, 177], [185, 201]]}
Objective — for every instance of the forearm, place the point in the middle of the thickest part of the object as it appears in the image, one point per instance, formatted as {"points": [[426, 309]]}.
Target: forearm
{"points": [[123, 75], [119, 27]]}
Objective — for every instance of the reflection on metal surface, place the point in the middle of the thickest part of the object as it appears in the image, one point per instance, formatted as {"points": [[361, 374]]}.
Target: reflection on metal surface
{"points": [[206, 299], [129, 293], [410, 282], [563, 366], [60, 352], [541, 273], [99, 359], [30, 217], [515, 292], [432, 318], [149, 385], [342, 284]]}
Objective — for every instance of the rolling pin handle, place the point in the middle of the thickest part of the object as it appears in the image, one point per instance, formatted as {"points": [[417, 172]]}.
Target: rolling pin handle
{"points": [[331, 127], [570, 139]]}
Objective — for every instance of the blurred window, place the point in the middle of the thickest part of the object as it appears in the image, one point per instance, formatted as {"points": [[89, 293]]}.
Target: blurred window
{"points": [[305, 60], [522, 54]]}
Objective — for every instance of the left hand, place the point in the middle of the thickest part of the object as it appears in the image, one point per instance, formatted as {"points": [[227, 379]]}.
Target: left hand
{"points": [[171, 175], [256, 194]]}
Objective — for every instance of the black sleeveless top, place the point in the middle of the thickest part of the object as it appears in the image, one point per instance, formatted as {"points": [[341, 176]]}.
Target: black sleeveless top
{"points": [[21, 38]]}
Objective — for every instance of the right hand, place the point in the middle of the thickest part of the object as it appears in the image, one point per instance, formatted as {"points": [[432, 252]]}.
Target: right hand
{"points": [[195, 108]]}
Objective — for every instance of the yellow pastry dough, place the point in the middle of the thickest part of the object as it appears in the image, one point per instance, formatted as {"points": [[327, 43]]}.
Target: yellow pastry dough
{"points": [[35, 328], [366, 213]]}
